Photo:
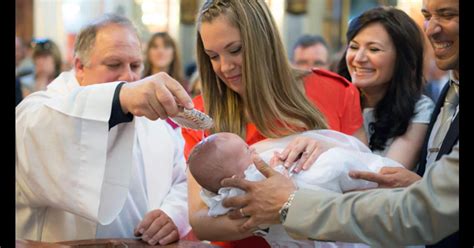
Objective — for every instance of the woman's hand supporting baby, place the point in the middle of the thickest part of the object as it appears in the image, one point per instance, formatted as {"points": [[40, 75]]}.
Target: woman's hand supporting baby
{"points": [[302, 150]]}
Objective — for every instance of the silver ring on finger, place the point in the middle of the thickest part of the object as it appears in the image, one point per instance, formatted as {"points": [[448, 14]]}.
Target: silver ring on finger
{"points": [[241, 210]]}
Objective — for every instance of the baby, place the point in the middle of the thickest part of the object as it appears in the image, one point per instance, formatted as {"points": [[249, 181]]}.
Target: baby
{"points": [[223, 155]]}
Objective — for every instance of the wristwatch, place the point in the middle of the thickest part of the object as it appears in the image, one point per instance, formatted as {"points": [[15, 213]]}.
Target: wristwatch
{"points": [[262, 231], [284, 209]]}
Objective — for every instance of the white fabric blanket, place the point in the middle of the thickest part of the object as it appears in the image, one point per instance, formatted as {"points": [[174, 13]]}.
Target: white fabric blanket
{"points": [[329, 172]]}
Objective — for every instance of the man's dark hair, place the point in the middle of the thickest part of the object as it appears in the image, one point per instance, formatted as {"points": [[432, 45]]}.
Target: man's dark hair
{"points": [[308, 40]]}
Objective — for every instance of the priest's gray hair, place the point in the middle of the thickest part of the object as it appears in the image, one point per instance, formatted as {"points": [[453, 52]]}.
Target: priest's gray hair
{"points": [[85, 40]]}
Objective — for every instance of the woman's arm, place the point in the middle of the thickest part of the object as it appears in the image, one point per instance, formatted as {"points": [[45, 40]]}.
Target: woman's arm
{"points": [[206, 227], [406, 148]]}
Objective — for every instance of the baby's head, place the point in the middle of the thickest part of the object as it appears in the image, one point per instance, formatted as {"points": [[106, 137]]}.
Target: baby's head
{"points": [[218, 156]]}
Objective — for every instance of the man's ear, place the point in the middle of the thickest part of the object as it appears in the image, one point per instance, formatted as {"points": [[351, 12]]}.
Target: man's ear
{"points": [[79, 69]]}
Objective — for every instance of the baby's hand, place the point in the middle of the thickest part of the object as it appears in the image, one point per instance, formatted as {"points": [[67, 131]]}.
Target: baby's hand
{"points": [[276, 160], [157, 227]]}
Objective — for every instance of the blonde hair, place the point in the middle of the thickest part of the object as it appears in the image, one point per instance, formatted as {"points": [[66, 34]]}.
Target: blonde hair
{"points": [[271, 86]]}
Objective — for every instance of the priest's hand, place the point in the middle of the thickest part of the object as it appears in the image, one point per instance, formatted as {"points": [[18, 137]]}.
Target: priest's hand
{"points": [[157, 228], [156, 96]]}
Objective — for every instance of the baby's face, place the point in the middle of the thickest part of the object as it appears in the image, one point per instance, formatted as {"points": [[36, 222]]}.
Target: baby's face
{"points": [[237, 151]]}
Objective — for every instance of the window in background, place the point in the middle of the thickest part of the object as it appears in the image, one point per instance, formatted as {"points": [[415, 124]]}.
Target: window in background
{"points": [[155, 14], [277, 7]]}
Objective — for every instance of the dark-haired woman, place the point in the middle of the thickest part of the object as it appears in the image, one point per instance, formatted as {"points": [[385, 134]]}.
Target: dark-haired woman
{"points": [[384, 59]]}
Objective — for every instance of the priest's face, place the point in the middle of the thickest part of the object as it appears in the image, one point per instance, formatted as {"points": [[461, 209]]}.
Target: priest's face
{"points": [[116, 56]]}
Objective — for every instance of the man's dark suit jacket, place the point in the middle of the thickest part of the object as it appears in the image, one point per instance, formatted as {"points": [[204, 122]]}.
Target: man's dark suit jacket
{"points": [[448, 143]]}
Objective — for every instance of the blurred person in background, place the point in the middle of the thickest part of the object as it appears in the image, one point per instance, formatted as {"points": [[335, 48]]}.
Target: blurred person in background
{"points": [[162, 55], [23, 62], [195, 85], [310, 51], [48, 64]]}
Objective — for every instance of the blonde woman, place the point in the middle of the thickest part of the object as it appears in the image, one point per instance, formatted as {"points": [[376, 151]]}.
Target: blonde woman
{"points": [[249, 89]]}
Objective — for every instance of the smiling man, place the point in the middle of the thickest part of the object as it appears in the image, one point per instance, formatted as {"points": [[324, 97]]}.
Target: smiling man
{"points": [[442, 29]]}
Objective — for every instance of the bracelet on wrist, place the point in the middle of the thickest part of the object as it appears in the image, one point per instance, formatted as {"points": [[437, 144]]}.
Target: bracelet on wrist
{"points": [[284, 209]]}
